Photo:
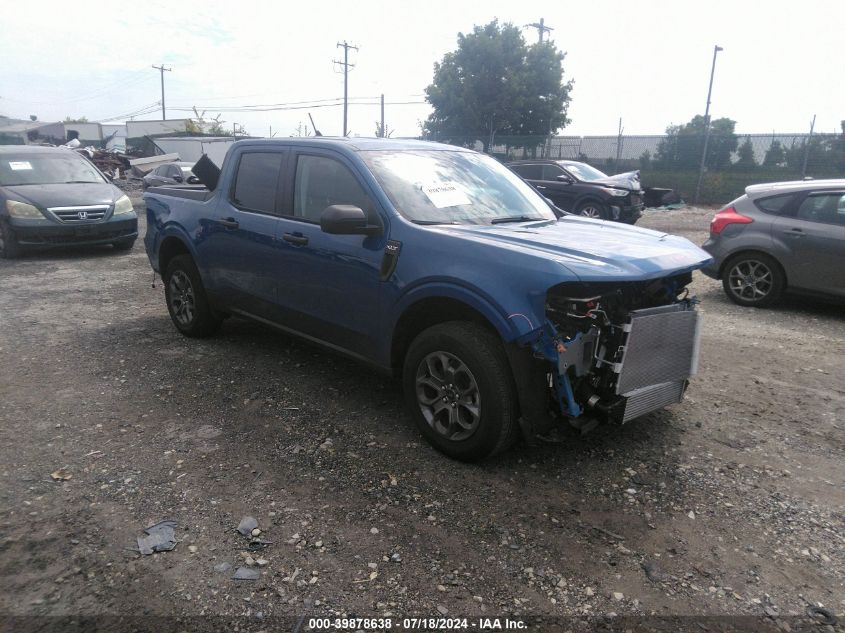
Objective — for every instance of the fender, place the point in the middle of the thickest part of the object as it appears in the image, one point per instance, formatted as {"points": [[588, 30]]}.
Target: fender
{"points": [[172, 229], [510, 323]]}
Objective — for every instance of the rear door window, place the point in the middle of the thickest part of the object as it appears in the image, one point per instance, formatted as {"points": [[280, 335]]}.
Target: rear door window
{"points": [[776, 205], [257, 182], [529, 172]]}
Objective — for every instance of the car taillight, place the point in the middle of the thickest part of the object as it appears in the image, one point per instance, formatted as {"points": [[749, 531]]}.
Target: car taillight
{"points": [[726, 217]]}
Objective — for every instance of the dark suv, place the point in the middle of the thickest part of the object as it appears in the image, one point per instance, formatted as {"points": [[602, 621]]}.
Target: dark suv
{"points": [[584, 190]]}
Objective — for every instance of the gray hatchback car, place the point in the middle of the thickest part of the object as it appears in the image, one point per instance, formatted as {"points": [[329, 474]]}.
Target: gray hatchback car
{"points": [[785, 236]]}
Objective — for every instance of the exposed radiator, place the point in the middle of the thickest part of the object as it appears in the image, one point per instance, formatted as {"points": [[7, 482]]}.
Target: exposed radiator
{"points": [[661, 347], [642, 401]]}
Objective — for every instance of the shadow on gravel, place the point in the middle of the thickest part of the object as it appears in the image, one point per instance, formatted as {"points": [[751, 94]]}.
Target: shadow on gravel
{"points": [[340, 395], [70, 253], [828, 307]]}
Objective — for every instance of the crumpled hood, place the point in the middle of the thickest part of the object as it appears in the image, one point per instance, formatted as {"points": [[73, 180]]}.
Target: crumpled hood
{"points": [[594, 250], [629, 180], [65, 194]]}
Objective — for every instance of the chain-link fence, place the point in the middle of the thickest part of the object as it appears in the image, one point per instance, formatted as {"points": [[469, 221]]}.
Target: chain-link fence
{"points": [[673, 161]]}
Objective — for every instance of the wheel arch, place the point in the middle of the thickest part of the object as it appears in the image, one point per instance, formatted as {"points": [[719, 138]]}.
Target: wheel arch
{"points": [[170, 247], [429, 311]]}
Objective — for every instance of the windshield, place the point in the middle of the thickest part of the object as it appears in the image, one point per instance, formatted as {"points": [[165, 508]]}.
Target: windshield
{"points": [[46, 169], [583, 171], [445, 187]]}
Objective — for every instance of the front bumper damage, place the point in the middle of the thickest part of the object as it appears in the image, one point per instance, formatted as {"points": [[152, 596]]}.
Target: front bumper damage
{"points": [[607, 371]]}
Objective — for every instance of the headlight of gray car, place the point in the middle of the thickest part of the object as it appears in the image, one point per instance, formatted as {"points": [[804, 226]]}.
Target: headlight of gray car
{"points": [[123, 206], [619, 193], [23, 210]]}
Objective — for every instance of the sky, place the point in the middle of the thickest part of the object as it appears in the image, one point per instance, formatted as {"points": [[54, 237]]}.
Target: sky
{"points": [[646, 62]]}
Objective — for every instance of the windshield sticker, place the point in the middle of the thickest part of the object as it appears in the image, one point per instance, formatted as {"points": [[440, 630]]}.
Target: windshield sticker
{"points": [[445, 194], [19, 165]]}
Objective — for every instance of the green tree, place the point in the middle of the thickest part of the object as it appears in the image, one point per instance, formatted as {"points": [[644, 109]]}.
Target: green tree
{"points": [[775, 155], [745, 154], [70, 119], [382, 133], [494, 84], [684, 144]]}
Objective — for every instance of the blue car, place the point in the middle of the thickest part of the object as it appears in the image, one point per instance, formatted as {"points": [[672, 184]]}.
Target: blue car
{"points": [[440, 265]]}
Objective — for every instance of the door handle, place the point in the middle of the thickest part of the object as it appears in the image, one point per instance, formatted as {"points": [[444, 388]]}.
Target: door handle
{"points": [[229, 223], [794, 232], [293, 238], [541, 187]]}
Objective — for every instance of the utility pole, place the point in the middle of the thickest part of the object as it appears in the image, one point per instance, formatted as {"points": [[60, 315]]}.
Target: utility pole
{"points": [[807, 149], [541, 28], [383, 133], [619, 145], [716, 49], [162, 69], [346, 66]]}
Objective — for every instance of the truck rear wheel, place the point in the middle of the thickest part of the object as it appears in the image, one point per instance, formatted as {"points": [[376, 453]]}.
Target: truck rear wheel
{"points": [[459, 387], [186, 299]]}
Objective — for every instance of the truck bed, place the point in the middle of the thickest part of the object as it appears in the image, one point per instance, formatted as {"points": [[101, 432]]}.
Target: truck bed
{"points": [[191, 192]]}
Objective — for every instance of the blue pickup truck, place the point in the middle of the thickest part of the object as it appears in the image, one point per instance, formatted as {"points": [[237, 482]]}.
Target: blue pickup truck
{"points": [[502, 316]]}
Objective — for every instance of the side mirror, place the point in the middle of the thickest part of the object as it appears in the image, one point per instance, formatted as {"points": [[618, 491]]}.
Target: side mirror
{"points": [[178, 178], [346, 219], [564, 179], [193, 180]]}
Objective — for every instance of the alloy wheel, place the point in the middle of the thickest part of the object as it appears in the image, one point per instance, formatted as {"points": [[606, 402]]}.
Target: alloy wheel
{"points": [[182, 300], [751, 280], [590, 211], [448, 396]]}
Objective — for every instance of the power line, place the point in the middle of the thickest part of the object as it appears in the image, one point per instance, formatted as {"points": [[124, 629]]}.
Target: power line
{"points": [[299, 107], [162, 70], [121, 84], [346, 66], [146, 109]]}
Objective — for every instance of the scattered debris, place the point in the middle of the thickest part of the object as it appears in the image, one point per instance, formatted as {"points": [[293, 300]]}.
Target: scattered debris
{"points": [[246, 573], [247, 525], [822, 616], [161, 537], [60, 475], [653, 572], [257, 544], [373, 575], [618, 537], [222, 567]]}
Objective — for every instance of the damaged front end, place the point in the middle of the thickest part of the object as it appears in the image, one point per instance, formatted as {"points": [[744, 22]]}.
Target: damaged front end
{"points": [[608, 351]]}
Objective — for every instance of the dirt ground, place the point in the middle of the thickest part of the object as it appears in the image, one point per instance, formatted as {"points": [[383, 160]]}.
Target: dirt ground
{"points": [[731, 503]]}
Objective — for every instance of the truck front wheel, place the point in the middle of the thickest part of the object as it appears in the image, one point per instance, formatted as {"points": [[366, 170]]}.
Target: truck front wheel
{"points": [[459, 387], [186, 299]]}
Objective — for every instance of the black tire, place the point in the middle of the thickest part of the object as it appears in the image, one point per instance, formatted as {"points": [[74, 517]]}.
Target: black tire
{"points": [[9, 247], [592, 209], [475, 375], [187, 302], [753, 280], [124, 245]]}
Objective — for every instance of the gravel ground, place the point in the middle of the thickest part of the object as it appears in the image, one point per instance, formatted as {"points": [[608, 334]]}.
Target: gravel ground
{"points": [[731, 503]]}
